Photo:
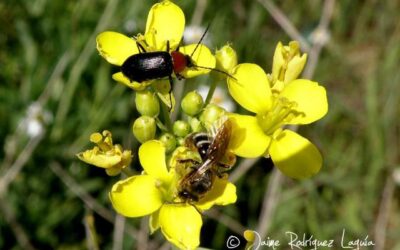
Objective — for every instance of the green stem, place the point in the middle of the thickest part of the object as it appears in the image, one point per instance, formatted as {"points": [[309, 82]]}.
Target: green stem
{"points": [[127, 171], [211, 91], [165, 114], [161, 125]]}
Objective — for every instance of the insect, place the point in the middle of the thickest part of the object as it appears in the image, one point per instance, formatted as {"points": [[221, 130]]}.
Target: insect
{"points": [[212, 150], [147, 66]]}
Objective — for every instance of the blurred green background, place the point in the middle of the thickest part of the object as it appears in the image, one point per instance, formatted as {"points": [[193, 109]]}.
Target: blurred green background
{"points": [[55, 90]]}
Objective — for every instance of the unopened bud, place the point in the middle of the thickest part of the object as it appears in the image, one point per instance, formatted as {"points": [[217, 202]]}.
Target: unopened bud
{"points": [[211, 114], [147, 103], [144, 128], [195, 125], [181, 128], [169, 142], [192, 103], [226, 58]]}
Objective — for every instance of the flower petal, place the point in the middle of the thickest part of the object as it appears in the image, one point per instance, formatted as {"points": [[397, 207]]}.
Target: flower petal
{"points": [[295, 67], [136, 196], [99, 159], [119, 77], [181, 224], [247, 140], [154, 222], [222, 193], [251, 88], [115, 47], [202, 57], [295, 156], [165, 22], [152, 158], [310, 98]]}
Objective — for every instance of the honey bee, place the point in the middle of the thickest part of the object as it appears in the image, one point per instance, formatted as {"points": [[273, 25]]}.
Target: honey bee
{"points": [[212, 149]]}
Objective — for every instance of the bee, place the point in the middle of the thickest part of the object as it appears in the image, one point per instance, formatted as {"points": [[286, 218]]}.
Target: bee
{"points": [[212, 149]]}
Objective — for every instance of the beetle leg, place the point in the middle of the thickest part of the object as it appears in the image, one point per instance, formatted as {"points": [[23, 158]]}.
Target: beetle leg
{"points": [[170, 91], [179, 44], [168, 46]]}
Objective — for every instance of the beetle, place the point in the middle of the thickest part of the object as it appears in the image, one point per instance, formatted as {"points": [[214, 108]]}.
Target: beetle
{"points": [[154, 65], [147, 66]]}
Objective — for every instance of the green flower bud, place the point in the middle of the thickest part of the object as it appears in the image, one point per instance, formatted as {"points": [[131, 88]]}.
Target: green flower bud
{"points": [[181, 141], [147, 103], [196, 125], [210, 114], [169, 142], [192, 103], [226, 58], [181, 128], [144, 128]]}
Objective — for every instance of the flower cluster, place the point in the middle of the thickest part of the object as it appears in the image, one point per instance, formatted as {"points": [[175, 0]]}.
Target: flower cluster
{"points": [[186, 162]]}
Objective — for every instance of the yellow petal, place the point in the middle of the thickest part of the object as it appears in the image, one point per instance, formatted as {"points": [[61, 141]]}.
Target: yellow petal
{"points": [[311, 100], [154, 223], [119, 77], [202, 57], [152, 158], [181, 224], [98, 158], [165, 22], [278, 61], [222, 193], [247, 140], [295, 156], [115, 47], [295, 67], [136, 196], [251, 89]]}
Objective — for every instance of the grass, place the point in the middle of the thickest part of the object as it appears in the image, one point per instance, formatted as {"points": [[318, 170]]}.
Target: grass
{"points": [[48, 56]]}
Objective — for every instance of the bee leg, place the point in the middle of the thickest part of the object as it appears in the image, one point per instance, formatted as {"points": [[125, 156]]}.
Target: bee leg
{"points": [[194, 162], [197, 209]]}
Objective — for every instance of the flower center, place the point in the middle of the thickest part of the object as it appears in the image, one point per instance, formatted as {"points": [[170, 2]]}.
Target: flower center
{"points": [[281, 113]]}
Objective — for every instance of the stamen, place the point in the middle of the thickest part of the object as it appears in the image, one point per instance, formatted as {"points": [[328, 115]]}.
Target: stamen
{"points": [[283, 111]]}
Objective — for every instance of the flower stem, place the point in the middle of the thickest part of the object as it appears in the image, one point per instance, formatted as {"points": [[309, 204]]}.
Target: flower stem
{"points": [[167, 118], [211, 92], [127, 171]]}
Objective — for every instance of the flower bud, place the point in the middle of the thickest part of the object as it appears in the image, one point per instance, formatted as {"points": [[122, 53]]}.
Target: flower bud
{"points": [[181, 141], [288, 63], [210, 114], [226, 58], [181, 128], [169, 142], [192, 103], [147, 103], [195, 125], [144, 128]]}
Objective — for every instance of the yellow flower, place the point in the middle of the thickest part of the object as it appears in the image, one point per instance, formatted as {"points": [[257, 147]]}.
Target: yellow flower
{"points": [[299, 102], [287, 65], [165, 23], [154, 193], [106, 155]]}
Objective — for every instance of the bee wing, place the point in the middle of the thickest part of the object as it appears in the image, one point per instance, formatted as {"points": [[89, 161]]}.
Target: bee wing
{"points": [[220, 142], [197, 173]]}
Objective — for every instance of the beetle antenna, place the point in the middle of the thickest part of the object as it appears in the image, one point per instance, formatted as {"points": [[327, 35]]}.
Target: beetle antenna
{"points": [[201, 39], [217, 70]]}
